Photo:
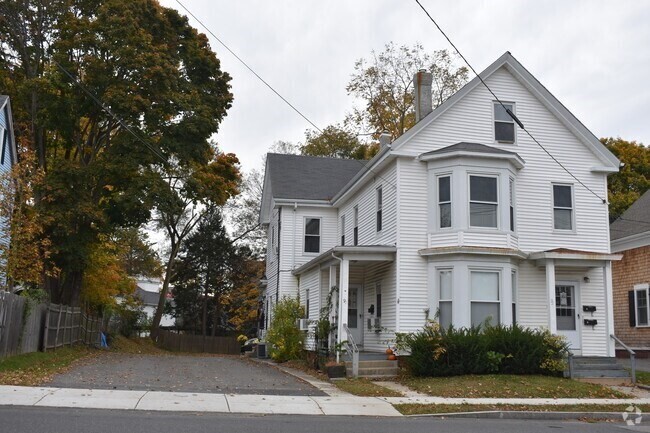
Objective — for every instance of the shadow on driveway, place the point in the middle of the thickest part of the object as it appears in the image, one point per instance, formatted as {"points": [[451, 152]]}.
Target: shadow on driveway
{"points": [[182, 373]]}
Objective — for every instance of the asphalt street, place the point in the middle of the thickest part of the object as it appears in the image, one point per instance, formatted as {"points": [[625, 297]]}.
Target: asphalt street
{"points": [[58, 420]]}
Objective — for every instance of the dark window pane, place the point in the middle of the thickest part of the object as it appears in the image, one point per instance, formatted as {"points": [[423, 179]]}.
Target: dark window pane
{"points": [[445, 215], [512, 219], [504, 131], [483, 188], [501, 114], [312, 244], [378, 304], [563, 219], [379, 198], [514, 313], [562, 196], [379, 220], [642, 307], [482, 215], [356, 236], [312, 227], [342, 240], [444, 189]]}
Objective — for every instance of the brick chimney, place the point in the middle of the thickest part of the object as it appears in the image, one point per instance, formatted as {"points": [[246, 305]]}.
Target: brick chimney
{"points": [[422, 91]]}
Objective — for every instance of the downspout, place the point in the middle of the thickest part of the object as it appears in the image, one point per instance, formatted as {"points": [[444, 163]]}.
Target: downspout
{"points": [[338, 307]]}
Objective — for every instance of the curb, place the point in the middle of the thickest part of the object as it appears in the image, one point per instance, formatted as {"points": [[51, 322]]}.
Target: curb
{"points": [[530, 415]]}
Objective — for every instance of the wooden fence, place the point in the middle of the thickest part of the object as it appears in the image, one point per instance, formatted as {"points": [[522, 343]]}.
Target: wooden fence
{"points": [[46, 326], [197, 343]]}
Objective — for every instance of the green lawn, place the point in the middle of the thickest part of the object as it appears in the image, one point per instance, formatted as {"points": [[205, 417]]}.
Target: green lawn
{"points": [[365, 388], [36, 368], [508, 386], [423, 409], [643, 377]]}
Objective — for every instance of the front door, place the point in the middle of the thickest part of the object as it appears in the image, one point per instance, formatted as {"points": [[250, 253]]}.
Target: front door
{"points": [[567, 313], [355, 313]]}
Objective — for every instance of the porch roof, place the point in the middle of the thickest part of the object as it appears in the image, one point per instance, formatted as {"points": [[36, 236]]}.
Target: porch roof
{"points": [[569, 254], [437, 251], [359, 252]]}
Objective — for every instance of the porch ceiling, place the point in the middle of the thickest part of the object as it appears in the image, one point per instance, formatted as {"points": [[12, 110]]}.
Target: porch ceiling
{"points": [[370, 253]]}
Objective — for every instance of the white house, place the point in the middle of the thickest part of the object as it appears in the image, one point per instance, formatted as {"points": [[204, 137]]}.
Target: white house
{"points": [[463, 216], [148, 291]]}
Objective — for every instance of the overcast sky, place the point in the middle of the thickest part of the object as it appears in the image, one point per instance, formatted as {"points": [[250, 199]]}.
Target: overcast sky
{"points": [[594, 56]]}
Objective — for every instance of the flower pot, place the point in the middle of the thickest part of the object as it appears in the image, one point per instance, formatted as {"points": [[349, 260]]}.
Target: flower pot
{"points": [[392, 357], [336, 371]]}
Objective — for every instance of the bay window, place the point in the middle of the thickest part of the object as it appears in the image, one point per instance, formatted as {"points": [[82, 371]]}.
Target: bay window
{"points": [[483, 201], [444, 297], [485, 299], [444, 201]]}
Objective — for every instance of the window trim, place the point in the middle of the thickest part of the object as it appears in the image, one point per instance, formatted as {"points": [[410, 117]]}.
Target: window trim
{"points": [[470, 201], [573, 208], [499, 272], [355, 230], [641, 287], [494, 121], [439, 203], [343, 230], [304, 235], [379, 208]]}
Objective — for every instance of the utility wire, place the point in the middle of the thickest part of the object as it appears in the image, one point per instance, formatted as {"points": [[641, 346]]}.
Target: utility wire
{"points": [[510, 113]]}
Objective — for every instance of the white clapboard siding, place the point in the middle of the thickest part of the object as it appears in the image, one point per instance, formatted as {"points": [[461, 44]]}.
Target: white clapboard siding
{"points": [[385, 274], [532, 300]]}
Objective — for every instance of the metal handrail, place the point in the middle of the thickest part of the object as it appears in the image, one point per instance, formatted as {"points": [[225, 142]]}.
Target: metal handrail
{"points": [[352, 346], [632, 356]]}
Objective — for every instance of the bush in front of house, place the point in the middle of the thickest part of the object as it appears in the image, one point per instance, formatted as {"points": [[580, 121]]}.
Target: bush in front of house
{"points": [[437, 351], [284, 337]]}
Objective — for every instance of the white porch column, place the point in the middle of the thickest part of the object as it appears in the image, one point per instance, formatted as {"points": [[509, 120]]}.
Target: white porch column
{"points": [[344, 287], [550, 292], [506, 296], [609, 307], [335, 302]]}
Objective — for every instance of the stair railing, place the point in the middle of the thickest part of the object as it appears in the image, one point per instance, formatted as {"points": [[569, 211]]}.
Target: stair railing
{"points": [[632, 356], [354, 350]]}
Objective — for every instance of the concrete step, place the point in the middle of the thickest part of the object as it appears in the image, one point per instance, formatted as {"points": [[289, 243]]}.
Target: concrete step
{"points": [[375, 372], [373, 364], [598, 367], [600, 373], [602, 360]]}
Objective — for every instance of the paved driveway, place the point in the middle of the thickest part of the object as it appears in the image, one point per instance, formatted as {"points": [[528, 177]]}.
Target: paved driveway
{"points": [[183, 373]]}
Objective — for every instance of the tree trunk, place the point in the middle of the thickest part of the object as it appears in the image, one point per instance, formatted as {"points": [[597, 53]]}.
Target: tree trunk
{"points": [[215, 315], [204, 319], [155, 325]]}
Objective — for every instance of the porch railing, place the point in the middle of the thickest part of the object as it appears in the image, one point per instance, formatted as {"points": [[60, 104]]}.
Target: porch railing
{"points": [[632, 354], [353, 349]]}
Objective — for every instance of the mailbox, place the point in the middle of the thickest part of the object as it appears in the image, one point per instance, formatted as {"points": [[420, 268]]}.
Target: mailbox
{"points": [[590, 322], [589, 308]]}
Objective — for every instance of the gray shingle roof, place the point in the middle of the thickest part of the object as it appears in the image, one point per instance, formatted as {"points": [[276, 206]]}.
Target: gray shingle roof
{"points": [[469, 147], [309, 177], [147, 298], [635, 220]]}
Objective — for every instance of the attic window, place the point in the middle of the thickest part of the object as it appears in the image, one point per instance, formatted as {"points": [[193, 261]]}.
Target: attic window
{"points": [[504, 125]]}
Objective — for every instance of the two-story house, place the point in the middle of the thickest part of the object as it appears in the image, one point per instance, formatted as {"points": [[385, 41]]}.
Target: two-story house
{"points": [[7, 160], [464, 218]]}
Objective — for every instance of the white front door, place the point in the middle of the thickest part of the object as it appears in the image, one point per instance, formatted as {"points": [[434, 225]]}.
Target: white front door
{"points": [[567, 313], [355, 313]]}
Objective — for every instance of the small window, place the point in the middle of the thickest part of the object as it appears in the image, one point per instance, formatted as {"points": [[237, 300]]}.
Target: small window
{"points": [[484, 297], [512, 204], [563, 207], [312, 235], [378, 300], [641, 304], [356, 226], [444, 201], [504, 125], [483, 201], [342, 230], [513, 276], [380, 204], [444, 298]]}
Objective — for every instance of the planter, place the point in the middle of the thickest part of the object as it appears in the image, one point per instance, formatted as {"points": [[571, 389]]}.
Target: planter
{"points": [[392, 357], [336, 371]]}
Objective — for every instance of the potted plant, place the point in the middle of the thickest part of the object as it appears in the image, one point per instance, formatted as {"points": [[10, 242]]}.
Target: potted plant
{"points": [[335, 370]]}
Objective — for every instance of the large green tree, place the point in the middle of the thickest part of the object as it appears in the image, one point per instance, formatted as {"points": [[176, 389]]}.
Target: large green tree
{"points": [[163, 94], [632, 180], [336, 142]]}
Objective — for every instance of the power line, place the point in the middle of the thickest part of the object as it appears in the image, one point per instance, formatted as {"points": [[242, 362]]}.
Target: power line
{"points": [[108, 110], [510, 113]]}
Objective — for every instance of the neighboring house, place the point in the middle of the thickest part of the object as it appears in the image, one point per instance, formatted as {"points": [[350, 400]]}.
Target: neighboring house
{"points": [[8, 157], [631, 237], [463, 217], [148, 291]]}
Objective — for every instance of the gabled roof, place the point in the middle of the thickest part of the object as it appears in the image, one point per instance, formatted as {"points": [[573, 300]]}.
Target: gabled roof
{"points": [[634, 221], [469, 147], [302, 177], [531, 83]]}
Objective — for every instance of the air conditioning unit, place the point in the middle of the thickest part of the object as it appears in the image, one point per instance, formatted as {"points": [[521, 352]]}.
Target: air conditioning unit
{"points": [[374, 323], [303, 324], [261, 350]]}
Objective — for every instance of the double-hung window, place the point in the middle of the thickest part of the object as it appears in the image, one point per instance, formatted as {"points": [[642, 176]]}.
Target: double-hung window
{"points": [[355, 233], [380, 204], [641, 305], [484, 289], [511, 187], [513, 276], [504, 125], [444, 201], [342, 230], [563, 207], [312, 235], [444, 297], [483, 201]]}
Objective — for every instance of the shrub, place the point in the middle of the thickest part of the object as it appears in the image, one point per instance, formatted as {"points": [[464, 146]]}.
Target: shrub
{"points": [[284, 336], [437, 351]]}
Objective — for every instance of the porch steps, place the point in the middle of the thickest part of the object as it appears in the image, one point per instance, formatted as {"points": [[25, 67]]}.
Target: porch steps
{"points": [[596, 367], [374, 369]]}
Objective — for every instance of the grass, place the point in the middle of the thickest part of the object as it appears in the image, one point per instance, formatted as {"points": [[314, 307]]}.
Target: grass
{"points": [[508, 386], [643, 377], [365, 388], [136, 345], [424, 409], [31, 369]]}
